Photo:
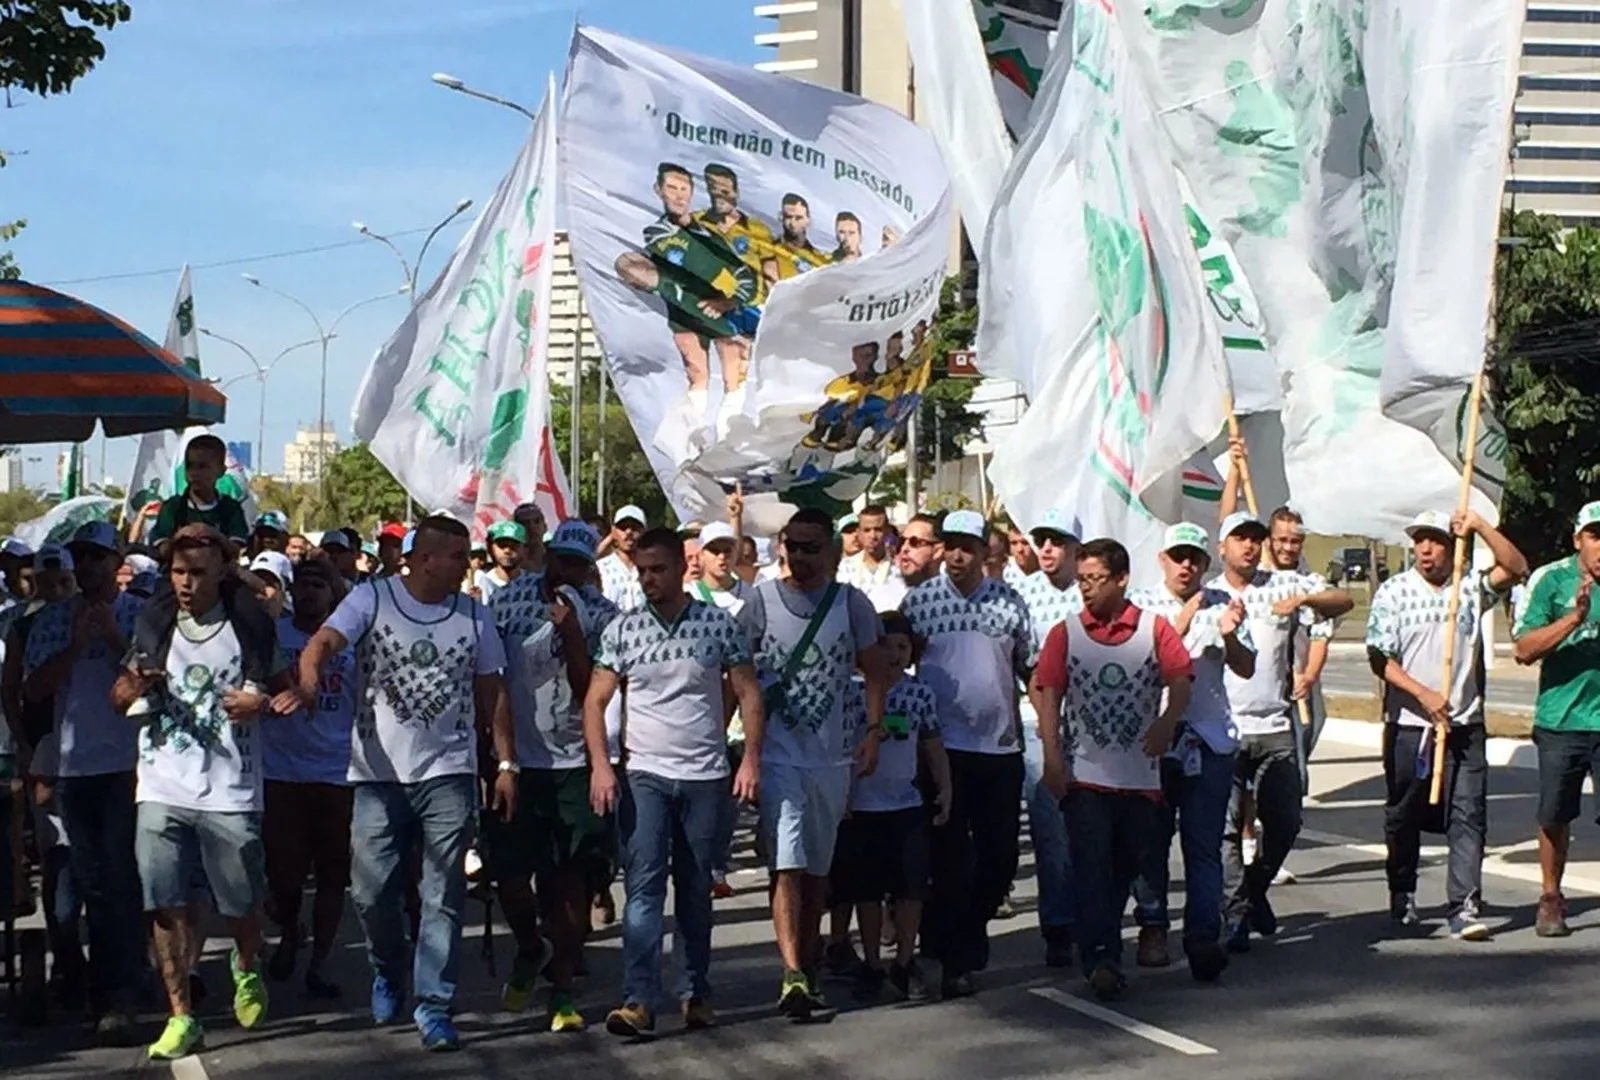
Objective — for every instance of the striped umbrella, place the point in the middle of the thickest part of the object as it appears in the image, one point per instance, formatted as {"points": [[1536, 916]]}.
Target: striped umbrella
{"points": [[65, 365]]}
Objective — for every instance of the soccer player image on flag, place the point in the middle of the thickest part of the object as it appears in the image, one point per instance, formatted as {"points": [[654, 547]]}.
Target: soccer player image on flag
{"points": [[702, 195]]}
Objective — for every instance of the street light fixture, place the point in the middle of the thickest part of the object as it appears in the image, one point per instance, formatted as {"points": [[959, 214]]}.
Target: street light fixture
{"points": [[324, 335], [412, 270], [260, 373], [450, 82]]}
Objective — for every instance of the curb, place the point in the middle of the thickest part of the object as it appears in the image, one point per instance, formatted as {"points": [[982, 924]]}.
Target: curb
{"points": [[1502, 752]]}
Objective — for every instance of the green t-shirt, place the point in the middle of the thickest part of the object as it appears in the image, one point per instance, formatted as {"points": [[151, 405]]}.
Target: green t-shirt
{"points": [[226, 515], [1569, 677]]}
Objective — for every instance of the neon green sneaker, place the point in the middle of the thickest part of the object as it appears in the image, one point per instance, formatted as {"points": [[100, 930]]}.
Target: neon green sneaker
{"points": [[249, 993], [181, 1037], [564, 1015], [517, 994], [794, 997]]}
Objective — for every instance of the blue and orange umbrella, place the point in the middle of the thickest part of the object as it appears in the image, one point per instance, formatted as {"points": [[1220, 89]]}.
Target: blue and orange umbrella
{"points": [[66, 366]]}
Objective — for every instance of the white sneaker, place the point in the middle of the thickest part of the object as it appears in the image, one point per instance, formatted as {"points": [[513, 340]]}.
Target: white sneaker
{"points": [[1284, 876]]}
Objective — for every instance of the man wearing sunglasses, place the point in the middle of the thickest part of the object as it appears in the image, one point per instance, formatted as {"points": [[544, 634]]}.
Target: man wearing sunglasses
{"points": [[810, 634], [1197, 772], [921, 552], [978, 646], [1051, 595]]}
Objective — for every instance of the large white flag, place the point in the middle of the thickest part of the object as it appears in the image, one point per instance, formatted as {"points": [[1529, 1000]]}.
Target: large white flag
{"points": [[1268, 110], [1442, 84], [456, 404], [1091, 283], [157, 456], [762, 259]]}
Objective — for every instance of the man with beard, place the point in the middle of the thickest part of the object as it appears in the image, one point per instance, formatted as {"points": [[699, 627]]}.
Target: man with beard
{"points": [[847, 235], [749, 237], [794, 253]]}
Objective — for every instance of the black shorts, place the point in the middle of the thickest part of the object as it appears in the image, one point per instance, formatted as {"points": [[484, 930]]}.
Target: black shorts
{"points": [[1565, 758], [881, 853]]}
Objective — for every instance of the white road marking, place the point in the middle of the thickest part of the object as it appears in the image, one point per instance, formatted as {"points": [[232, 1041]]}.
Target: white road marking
{"points": [[1159, 1036], [1494, 861], [189, 1068], [1314, 803]]}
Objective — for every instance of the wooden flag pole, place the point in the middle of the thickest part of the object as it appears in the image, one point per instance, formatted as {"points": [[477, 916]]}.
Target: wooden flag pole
{"points": [[1469, 454]]}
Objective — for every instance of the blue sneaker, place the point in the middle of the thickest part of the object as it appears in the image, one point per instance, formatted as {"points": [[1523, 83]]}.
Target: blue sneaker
{"points": [[439, 1034], [386, 1001]]}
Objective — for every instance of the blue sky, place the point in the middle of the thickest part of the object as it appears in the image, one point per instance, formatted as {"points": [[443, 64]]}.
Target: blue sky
{"points": [[219, 130]]}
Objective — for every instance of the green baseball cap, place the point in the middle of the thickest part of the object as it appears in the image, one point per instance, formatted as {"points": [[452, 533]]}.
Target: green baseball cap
{"points": [[1185, 534], [508, 530], [1589, 515]]}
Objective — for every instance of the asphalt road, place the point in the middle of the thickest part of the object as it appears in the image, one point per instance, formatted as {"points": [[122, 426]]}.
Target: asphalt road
{"points": [[1509, 687], [1337, 994]]}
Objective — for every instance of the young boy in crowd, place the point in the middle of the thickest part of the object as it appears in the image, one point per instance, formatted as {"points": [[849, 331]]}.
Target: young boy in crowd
{"points": [[883, 843]]}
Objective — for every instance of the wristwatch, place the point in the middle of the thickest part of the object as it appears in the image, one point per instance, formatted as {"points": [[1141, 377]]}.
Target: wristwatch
{"points": [[511, 767]]}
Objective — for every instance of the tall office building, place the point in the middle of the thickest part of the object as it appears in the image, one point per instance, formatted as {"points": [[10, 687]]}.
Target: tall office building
{"points": [[1556, 168], [571, 331], [854, 45], [11, 471], [309, 449]]}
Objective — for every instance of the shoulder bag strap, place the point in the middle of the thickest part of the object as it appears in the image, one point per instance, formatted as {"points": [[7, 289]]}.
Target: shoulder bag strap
{"points": [[810, 634]]}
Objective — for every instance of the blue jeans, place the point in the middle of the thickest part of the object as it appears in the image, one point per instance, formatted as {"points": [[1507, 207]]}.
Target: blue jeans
{"points": [[728, 819], [1197, 810], [98, 813], [661, 820], [1047, 829], [1109, 832], [388, 821]]}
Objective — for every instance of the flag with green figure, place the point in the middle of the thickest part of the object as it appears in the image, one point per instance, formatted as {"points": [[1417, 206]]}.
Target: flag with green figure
{"points": [[157, 457], [1092, 287], [456, 404]]}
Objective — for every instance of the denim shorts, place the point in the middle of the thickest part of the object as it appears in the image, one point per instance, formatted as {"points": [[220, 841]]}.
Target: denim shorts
{"points": [[174, 845], [1565, 758], [801, 807]]}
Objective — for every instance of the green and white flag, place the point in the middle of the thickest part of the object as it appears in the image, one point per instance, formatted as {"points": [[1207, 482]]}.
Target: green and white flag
{"points": [[1269, 109], [1090, 283], [457, 403], [158, 456]]}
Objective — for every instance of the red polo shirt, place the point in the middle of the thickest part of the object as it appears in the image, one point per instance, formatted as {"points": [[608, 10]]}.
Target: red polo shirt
{"points": [[1171, 656]]}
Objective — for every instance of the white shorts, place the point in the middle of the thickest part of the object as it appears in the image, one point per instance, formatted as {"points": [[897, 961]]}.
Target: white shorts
{"points": [[801, 807]]}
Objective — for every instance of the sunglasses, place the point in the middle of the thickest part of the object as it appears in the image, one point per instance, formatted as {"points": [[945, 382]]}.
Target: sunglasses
{"points": [[917, 543], [803, 547]]}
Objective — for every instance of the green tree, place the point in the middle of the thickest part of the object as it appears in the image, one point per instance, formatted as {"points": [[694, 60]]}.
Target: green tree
{"points": [[1544, 378], [17, 507], [629, 476], [945, 420], [361, 492], [45, 47]]}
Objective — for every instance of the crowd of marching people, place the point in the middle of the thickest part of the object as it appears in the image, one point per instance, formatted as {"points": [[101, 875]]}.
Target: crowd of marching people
{"points": [[210, 725]]}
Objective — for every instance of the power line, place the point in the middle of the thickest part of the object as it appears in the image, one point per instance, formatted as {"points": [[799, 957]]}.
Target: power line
{"points": [[241, 261]]}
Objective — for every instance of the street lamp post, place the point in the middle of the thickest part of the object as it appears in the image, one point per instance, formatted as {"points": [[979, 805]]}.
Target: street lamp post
{"points": [[260, 373], [450, 82], [324, 335]]}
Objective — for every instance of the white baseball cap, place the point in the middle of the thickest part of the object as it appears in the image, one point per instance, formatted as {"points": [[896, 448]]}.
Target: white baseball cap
{"points": [[275, 563], [1185, 534], [629, 513], [1434, 521], [714, 531], [1058, 521], [1239, 519], [964, 523]]}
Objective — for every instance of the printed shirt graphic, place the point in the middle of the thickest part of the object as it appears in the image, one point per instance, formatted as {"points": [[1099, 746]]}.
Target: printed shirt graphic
{"points": [[812, 728], [190, 754], [794, 259], [1569, 676], [620, 582], [93, 738], [1311, 626], [882, 583], [1261, 703], [751, 240], [1406, 624], [978, 647], [1209, 715], [910, 714], [695, 263], [1047, 605], [417, 664], [313, 747], [673, 671], [729, 600], [1113, 697], [548, 717]]}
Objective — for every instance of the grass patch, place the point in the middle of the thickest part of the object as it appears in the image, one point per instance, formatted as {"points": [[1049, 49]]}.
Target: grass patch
{"points": [[1510, 725]]}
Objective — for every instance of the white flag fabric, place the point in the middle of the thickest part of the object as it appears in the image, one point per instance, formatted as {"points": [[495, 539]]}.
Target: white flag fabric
{"points": [[704, 198], [1017, 38], [1091, 283], [456, 404], [56, 525], [1442, 84], [157, 457], [1268, 110]]}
